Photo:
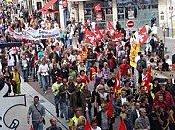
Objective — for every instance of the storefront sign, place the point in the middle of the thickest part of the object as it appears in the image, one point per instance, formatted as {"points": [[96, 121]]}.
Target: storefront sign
{"points": [[130, 24]]}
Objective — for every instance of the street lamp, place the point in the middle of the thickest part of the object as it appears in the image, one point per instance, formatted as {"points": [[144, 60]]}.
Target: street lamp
{"points": [[171, 18]]}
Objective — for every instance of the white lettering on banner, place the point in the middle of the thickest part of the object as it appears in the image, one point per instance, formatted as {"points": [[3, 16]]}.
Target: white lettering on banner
{"points": [[32, 34], [164, 74]]}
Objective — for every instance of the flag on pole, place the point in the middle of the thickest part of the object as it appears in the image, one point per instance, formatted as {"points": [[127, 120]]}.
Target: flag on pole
{"points": [[122, 125], [143, 35], [87, 126], [117, 82], [110, 109], [97, 8]]}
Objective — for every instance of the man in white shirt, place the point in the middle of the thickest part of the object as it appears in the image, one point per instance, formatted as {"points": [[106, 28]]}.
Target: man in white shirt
{"points": [[168, 60], [94, 125], [44, 73]]}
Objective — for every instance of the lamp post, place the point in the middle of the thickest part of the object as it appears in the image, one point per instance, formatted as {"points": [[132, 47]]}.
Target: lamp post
{"points": [[171, 18]]}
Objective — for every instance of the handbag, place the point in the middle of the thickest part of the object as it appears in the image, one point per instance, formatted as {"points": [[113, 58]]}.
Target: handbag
{"points": [[44, 121]]}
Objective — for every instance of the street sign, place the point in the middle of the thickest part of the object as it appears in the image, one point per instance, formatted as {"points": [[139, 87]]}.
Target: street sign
{"points": [[130, 24]]}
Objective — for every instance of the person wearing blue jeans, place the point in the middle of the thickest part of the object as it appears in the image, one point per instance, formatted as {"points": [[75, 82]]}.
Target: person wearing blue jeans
{"points": [[37, 112], [25, 66], [25, 74], [45, 82], [63, 100], [44, 73]]}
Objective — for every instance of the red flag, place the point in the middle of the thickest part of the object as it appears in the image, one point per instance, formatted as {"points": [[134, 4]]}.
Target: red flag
{"points": [[110, 29], [147, 80], [117, 83], [88, 32], [122, 125], [99, 35], [97, 8], [118, 36], [87, 126], [110, 109], [143, 35], [110, 25]]}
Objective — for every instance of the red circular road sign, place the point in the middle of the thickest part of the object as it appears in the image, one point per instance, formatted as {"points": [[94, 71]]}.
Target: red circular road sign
{"points": [[130, 24]]}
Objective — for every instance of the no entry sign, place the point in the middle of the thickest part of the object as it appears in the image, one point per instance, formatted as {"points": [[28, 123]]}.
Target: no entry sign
{"points": [[130, 24]]}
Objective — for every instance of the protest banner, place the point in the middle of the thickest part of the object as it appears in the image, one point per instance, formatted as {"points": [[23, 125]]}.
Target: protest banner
{"points": [[31, 34], [135, 48], [163, 74]]}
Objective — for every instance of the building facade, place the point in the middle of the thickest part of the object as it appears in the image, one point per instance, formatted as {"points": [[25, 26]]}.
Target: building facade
{"points": [[141, 12]]}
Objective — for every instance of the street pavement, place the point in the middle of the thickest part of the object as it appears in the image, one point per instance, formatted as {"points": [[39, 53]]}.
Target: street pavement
{"points": [[20, 112]]}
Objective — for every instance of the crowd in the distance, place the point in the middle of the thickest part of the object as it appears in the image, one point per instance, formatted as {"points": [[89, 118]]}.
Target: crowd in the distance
{"points": [[83, 76]]}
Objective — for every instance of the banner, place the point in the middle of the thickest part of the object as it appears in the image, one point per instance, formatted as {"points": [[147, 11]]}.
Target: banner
{"points": [[4, 44], [164, 74], [135, 48], [38, 34]]}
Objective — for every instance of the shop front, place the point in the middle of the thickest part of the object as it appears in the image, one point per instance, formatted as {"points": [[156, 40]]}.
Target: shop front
{"points": [[140, 12]]}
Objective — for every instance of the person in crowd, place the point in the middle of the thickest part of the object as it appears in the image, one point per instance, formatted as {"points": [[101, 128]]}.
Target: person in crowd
{"points": [[55, 90], [24, 66], [94, 125], [63, 99], [53, 126], [142, 122], [7, 78], [141, 64], [44, 72], [37, 111], [163, 98], [16, 81], [135, 114]]}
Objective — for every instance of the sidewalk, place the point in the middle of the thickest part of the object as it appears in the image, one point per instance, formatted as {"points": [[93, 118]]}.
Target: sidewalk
{"points": [[20, 112]]}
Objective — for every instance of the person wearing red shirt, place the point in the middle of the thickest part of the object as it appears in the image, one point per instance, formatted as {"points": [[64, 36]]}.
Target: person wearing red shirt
{"points": [[167, 97], [93, 72], [124, 68], [84, 78]]}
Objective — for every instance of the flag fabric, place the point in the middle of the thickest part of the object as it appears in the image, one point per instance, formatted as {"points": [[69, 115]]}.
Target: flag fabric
{"points": [[147, 80], [117, 36], [110, 109], [135, 48], [99, 35], [97, 8], [134, 38], [122, 125], [110, 26], [143, 35], [88, 32], [117, 82], [87, 126]]}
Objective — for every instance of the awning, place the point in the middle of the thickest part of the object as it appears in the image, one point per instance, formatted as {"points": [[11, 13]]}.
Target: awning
{"points": [[48, 5]]}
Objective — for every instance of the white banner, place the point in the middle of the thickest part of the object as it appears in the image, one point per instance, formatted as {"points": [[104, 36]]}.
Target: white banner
{"points": [[164, 74], [38, 34]]}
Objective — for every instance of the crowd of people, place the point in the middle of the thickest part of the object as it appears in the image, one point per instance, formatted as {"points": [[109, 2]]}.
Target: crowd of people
{"points": [[94, 85]]}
